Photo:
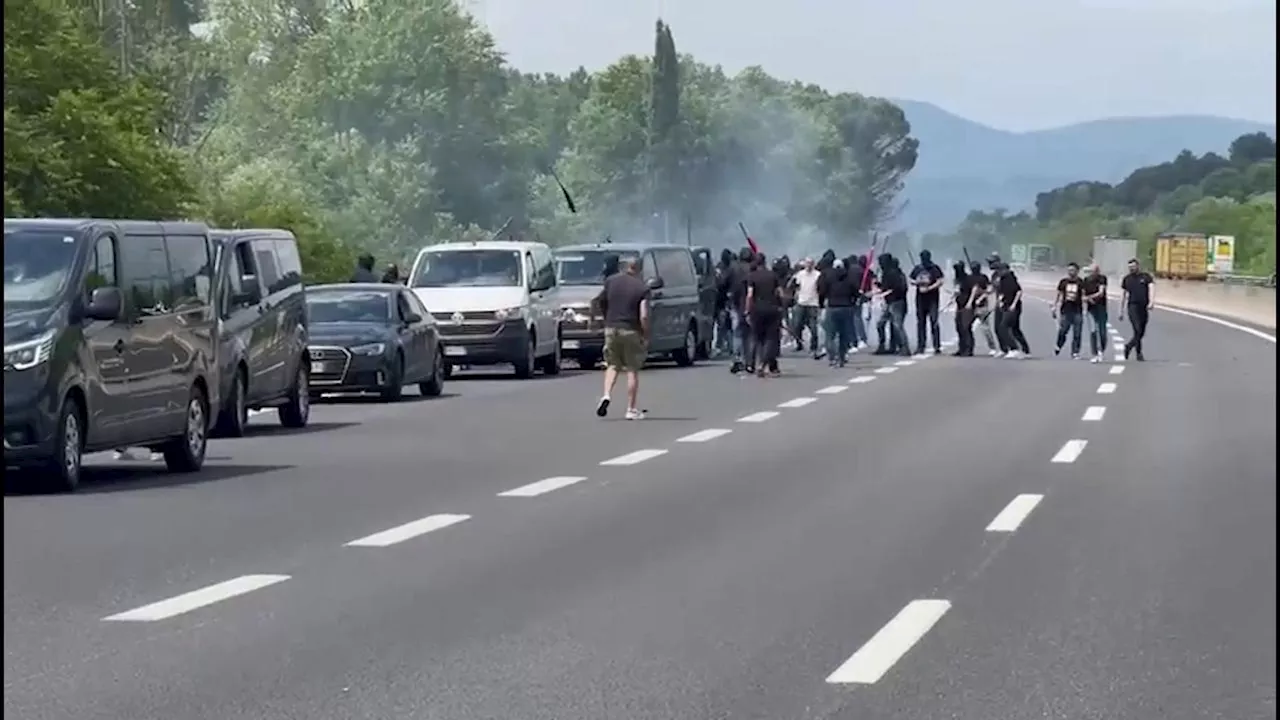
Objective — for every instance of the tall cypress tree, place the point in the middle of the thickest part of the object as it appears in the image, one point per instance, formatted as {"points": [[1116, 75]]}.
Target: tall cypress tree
{"points": [[664, 122]]}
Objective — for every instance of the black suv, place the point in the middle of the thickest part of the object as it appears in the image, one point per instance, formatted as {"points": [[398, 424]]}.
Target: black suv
{"points": [[109, 330], [679, 326], [262, 346]]}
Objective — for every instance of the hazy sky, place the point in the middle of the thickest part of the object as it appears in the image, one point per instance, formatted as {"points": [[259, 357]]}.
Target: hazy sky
{"points": [[1013, 64]]}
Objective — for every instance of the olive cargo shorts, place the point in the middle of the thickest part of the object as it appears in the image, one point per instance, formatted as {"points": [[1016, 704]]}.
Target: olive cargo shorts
{"points": [[624, 349]]}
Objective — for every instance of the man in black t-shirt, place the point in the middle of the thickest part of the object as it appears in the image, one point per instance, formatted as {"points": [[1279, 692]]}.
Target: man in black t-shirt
{"points": [[927, 278], [764, 310], [1068, 309], [1010, 313], [1094, 287], [982, 302], [733, 283], [624, 302], [893, 289], [1137, 298], [964, 297]]}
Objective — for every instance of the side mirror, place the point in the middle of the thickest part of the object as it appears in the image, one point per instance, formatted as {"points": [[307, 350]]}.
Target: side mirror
{"points": [[655, 283], [105, 303], [412, 318], [250, 292]]}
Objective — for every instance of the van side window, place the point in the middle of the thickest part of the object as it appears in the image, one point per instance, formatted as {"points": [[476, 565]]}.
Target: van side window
{"points": [[676, 268], [147, 275], [290, 263], [264, 251], [648, 267], [530, 270], [191, 270], [546, 267], [102, 266]]}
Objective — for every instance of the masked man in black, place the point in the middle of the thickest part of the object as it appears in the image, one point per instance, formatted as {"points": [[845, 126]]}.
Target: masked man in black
{"points": [[927, 278]]}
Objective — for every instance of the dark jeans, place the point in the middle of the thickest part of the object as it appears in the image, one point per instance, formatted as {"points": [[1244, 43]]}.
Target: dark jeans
{"points": [[806, 317], [893, 317], [1010, 329], [1097, 328], [927, 319], [1139, 315], [1073, 321], [839, 333], [766, 338], [964, 330]]}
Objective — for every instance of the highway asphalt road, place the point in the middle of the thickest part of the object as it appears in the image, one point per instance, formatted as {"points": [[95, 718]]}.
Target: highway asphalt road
{"points": [[941, 538]]}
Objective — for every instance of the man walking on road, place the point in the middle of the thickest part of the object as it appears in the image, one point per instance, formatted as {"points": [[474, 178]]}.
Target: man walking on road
{"points": [[1068, 310], [805, 282], [1095, 303], [624, 303], [1137, 297]]}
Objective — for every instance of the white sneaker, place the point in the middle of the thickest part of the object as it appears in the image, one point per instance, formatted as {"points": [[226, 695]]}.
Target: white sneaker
{"points": [[1075, 356], [635, 414], [1095, 359], [994, 353], [1013, 355]]}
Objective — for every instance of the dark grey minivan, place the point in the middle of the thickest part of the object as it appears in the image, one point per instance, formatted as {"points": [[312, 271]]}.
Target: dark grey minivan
{"points": [[109, 342], [677, 320], [262, 345]]}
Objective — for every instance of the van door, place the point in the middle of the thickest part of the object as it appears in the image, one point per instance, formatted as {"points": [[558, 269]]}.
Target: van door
{"points": [[292, 304], [156, 405], [243, 317], [276, 377], [106, 373], [193, 340], [659, 317], [680, 287], [547, 300]]}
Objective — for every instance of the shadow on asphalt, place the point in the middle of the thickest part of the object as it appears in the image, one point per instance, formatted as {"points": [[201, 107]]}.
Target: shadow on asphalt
{"points": [[102, 479], [375, 400], [280, 430]]}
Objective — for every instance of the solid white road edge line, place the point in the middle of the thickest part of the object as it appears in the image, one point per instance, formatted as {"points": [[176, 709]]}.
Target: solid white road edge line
{"points": [[832, 389], [1219, 321], [862, 379], [1093, 413], [887, 646], [759, 417], [1070, 451], [543, 486], [1014, 513], [634, 458], [408, 531], [886, 370], [704, 435], [1106, 388], [196, 599], [1117, 370], [798, 402]]}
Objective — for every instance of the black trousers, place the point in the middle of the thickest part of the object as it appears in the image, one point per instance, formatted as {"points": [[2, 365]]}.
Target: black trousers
{"points": [[1139, 315], [766, 331], [964, 330], [927, 319], [1011, 328]]}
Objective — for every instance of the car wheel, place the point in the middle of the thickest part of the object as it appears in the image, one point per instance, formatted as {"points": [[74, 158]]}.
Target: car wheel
{"points": [[62, 471], [395, 384], [185, 453], [434, 385], [551, 366], [525, 365], [234, 417], [686, 353], [296, 412]]}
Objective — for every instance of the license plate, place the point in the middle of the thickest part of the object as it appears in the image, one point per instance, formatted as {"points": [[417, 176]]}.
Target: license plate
{"points": [[570, 345], [454, 350], [317, 368]]}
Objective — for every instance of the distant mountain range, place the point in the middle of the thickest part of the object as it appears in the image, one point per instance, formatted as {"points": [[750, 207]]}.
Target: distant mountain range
{"points": [[965, 165]]}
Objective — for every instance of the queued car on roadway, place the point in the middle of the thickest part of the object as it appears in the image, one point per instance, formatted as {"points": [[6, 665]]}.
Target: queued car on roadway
{"points": [[372, 337], [494, 303], [680, 327], [262, 344], [109, 342]]}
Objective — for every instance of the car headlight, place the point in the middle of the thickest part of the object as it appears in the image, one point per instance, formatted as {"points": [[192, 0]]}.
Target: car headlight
{"points": [[369, 349], [29, 354], [507, 313]]}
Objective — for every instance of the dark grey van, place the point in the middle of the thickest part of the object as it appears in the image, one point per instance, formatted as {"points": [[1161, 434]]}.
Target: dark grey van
{"points": [[679, 328], [262, 347], [109, 342]]}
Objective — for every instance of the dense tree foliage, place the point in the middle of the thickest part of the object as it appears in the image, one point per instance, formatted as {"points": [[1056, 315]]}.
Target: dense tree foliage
{"points": [[1211, 194], [385, 125]]}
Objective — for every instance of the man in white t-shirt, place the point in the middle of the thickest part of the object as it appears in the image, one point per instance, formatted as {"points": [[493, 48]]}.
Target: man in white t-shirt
{"points": [[805, 283]]}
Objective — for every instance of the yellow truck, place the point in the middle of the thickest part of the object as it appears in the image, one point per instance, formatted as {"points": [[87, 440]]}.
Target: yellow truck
{"points": [[1182, 256]]}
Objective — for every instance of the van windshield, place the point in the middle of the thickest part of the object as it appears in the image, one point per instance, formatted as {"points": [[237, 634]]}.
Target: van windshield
{"points": [[37, 264], [467, 268], [585, 267]]}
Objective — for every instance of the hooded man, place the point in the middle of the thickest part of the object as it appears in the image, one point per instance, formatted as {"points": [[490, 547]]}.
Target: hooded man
{"points": [[764, 311], [364, 270], [724, 324], [734, 285], [893, 291], [964, 297], [927, 278], [981, 306], [839, 292]]}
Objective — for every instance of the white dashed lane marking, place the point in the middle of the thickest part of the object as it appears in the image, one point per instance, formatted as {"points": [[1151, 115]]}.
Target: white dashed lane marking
{"points": [[543, 487], [408, 531], [1093, 413], [886, 647], [905, 363], [862, 379], [886, 370], [759, 417], [634, 458], [832, 389], [798, 402], [1070, 451], [1014, 513], [704, 435], [1106, 388], [1118, 369], [196, 599]]}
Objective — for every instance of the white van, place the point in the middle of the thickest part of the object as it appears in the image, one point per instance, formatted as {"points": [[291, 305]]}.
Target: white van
{"points": [[494, 302]]}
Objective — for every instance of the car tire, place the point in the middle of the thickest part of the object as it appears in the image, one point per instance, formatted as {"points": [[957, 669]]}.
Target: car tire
{"points": [[186, 452], [395, 384], [234, 416], [551, 364], [296, 411], [525, 366], [688, 350], [433, 386], [61, 472]]}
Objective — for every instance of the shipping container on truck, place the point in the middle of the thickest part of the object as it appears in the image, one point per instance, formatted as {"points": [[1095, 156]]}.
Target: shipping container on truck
{"points": [[1182, 256], [1113, 254]]}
